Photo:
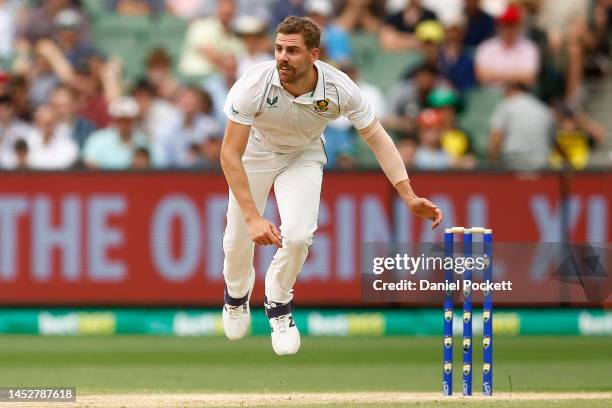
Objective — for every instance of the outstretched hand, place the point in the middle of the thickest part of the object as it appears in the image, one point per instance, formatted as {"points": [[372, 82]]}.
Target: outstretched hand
{"points": [[423, 208]]}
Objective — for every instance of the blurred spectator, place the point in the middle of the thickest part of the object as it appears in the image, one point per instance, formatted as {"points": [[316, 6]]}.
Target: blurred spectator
{"points": [[598, 61], [182, 144], [566, 25], [114, 147], [451, 62], [218, 86], [372, 92], [10, 11], [429, 154], [17, 87], [550, 81], [39, 22], [409, 96], [155, 114], [397, 33], [186, 9], [521, 131], [5, 81], [455, 140], [142, 159], [340, 144], [576, 135], [361, 15], [509, 57], [191, 9], [407, 146], [253, 32], [335, 42], [159, 74], [97, 82], [285, 8], [209, 41], [455, 63], [21, 155], [50, 147], [39, 72], [480, 25], [68, 36], [211, 152], [430, 34], [11, 130], [63, 103], [136, 7]]}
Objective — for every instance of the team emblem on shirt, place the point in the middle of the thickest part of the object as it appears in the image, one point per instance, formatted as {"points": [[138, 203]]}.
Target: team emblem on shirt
{"points": [[234, 110], [272, 102], [322, 105]]}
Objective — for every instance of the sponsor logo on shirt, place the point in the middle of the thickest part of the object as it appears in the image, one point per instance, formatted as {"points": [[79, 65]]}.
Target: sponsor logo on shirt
{"points": [[272, 102], [322, 105], [234, 110]]}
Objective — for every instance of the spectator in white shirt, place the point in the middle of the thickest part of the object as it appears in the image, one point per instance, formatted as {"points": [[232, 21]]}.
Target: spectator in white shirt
{"points": [[50, 147]]}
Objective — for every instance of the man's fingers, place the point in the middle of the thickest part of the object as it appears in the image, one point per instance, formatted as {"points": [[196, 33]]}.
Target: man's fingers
{"points": [[278, 240], [437, 219], [274, 239]]}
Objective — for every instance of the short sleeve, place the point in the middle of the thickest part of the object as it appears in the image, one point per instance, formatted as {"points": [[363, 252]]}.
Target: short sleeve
{"points": [[92, 147], [240, 105], [499, 118], [358, 109]]}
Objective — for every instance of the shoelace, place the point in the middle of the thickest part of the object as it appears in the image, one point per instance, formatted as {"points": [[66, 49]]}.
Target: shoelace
{"points": [[235, 312], [280, 324]]}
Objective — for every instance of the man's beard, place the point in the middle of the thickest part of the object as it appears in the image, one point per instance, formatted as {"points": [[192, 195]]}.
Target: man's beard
{"points": [[294, 74]]}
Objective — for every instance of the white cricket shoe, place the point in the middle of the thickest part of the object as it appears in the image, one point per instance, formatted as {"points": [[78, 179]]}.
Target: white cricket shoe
{"points": [[236, 320], [285, 335], [237, 315]]}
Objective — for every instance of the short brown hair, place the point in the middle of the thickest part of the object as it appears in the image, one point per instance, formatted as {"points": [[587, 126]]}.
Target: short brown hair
{"points": [[311, 33]]}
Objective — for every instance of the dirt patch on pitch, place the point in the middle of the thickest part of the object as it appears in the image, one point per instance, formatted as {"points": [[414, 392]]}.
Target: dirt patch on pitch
{"points": [[247, 400]]}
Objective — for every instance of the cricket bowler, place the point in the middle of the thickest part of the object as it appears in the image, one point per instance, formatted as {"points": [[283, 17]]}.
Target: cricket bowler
{"points": [[276, 113]]}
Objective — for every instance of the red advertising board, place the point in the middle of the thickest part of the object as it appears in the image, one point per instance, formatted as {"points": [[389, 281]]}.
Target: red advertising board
{"points": [[156, 238]]}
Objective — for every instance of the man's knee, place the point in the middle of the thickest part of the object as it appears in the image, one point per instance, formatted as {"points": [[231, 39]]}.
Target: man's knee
{"points": [[296, 241]]}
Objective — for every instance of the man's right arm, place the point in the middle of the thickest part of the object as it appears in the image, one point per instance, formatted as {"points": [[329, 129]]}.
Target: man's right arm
{"points": [[262, 232]]}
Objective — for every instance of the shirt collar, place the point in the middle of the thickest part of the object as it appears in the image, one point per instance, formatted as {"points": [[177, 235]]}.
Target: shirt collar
{"points": [[319, 91]]}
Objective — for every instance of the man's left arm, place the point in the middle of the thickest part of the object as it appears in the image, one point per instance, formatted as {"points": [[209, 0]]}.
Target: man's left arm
{"points": [[391, 163]]}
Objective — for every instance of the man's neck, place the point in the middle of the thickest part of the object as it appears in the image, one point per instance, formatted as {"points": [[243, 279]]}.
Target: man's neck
{"points": [[307, 83]]}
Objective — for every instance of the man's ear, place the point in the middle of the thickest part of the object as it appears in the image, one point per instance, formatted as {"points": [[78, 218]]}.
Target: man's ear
{"points": [[314, 54]]}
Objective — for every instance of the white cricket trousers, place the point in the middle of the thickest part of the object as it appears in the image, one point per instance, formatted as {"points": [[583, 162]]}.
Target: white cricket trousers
{"points": [[297, 187]]}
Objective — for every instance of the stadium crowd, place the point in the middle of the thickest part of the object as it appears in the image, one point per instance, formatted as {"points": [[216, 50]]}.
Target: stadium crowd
{"points": [[65, 103]]}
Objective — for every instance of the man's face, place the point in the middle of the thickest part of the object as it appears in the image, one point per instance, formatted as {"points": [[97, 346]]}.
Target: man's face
{"points": [[62, 103], [472, 5], [225, 11], [293, 59], [509, 32], [68, 37], [425, 80], [124, 125], [189, 102], [45, 120], [6, 112]]}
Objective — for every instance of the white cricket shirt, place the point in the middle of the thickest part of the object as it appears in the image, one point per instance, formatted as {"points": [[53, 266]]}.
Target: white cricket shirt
{"points": [[284, 123]]}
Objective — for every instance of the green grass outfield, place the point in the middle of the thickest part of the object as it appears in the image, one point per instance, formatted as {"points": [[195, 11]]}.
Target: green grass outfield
{"points": [[149, 364]]}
